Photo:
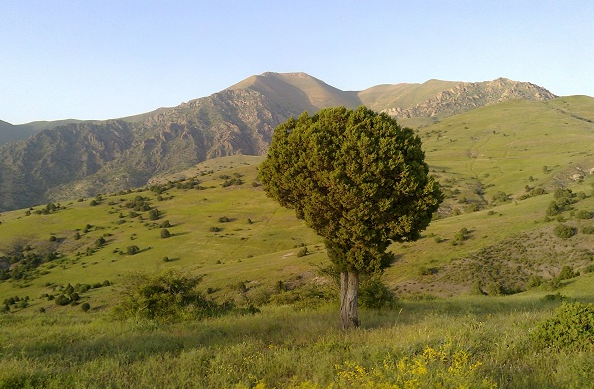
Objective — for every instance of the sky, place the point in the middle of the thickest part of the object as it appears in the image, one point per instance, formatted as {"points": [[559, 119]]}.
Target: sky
{"points": [[106, 59]]}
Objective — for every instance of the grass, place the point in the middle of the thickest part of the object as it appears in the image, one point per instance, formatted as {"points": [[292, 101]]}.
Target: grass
{"points": [[282, 346], [475, 155]]}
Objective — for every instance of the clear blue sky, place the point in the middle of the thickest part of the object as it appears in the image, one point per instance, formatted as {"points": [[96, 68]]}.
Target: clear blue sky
{"points": [[104, 59]]}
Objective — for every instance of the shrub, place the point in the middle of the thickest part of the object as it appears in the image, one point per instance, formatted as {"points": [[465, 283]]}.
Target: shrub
{"points": [[589, 230], [462, 235], [131, 250], [165, 233], [474, 207], [535, 281], [224, 219], [154, 214], [494, 289], [583, 214], [374, 294], [62, 300], [99, 242], [564, 231], [214, 229], [566, 273], [553, 209], [302, 252], [560, 193], [168, 297], [571, 327], [500, 197], [85, 307]]}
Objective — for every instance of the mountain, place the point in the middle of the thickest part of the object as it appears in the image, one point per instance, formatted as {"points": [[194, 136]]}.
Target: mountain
{"points": [[73, 158], [10, 133]]}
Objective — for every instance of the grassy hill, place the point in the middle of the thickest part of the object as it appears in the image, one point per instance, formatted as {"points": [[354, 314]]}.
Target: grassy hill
{"points": [[492, 162], [473, 289]]}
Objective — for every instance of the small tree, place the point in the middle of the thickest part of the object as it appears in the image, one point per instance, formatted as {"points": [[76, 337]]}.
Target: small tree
{"points": [[360, 181]]}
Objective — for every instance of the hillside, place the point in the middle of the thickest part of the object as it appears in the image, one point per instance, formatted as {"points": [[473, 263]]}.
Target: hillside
{"points": [[499, 166], [237, 120], [10, 133], [473, 294]]}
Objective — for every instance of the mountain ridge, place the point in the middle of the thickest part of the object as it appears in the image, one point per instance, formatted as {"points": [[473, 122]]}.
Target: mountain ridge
{"points": [[237, 120]]}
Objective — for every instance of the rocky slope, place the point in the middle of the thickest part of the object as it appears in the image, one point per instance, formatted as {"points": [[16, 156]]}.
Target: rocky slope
{"points": [[80, 159]]}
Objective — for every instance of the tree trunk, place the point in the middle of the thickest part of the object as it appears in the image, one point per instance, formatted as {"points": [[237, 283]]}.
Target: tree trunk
{"points": [[349, 294]]}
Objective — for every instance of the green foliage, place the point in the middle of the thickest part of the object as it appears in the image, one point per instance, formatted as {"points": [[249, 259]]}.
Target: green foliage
{"points": [[583, 214], [462, 235], [131, 250], [62, 300], [85, 307], [168, 297], [567, 273], [165, 233], [535, 281], [356, 177], [589, 230], [302, 252], [560, 193], [572, 327], [500, 197], [100, 242], [374, 294], [564, 231], [154, 214]]}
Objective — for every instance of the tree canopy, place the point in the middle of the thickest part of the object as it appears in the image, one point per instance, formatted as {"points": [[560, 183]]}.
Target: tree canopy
{"points": [[357, 178]]}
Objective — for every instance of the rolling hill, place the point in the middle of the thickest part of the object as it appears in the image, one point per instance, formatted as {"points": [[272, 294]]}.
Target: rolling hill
{"points": [[500, 167], [117, 154], [508, 256]]}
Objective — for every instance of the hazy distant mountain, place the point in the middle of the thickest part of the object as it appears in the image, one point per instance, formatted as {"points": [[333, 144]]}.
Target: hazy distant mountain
{"points": [[11, 133], [77, 159]]}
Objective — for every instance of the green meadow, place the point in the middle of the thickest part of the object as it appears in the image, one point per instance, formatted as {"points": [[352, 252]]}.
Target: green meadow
{"points": [[471, 296]]}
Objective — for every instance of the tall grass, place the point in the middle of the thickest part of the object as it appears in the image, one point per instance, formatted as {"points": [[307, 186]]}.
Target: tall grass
{"points": [[486, 339]]}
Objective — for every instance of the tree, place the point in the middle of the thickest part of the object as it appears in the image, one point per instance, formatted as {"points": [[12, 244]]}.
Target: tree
{"points": [[360, 181]]}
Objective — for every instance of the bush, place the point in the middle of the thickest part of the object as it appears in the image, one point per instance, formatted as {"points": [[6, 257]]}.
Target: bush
{"points": [[501, 197], [566, 273], [589, 230], [85, 307], [154, 214], [564, 231], [462, 235], [583, 214], [302, 252], [131, 250], [165, 233], [100, 242], [571, 327], [167, 297], [62, 300], [374, 294], [535, 281]]}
